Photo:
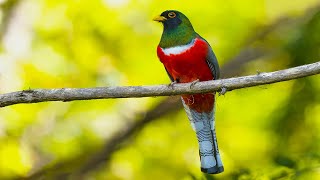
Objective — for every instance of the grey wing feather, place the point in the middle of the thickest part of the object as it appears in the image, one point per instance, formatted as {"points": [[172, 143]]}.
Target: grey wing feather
{"points": [[213, 64], [212, 61]]}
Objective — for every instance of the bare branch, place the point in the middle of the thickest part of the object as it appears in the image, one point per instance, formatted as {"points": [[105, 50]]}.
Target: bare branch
{"points": [[71, 94]]}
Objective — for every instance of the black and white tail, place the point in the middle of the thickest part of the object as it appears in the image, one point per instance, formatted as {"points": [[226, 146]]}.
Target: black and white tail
{"points": [[204, 125]]}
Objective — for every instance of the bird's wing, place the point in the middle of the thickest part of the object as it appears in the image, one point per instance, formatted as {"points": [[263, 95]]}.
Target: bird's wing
{"points": [[212, 61], [213, 64]]}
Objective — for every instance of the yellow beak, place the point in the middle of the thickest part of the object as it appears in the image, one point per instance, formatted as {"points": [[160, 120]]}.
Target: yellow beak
{"points": [[159, 18]]}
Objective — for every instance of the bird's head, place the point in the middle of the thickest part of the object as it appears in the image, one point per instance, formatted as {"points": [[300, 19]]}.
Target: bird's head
{"points": [[172, 19], [177, 29]]}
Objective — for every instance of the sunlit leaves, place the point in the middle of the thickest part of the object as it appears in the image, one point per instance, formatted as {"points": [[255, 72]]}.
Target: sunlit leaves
{"points": [[264, 132]]}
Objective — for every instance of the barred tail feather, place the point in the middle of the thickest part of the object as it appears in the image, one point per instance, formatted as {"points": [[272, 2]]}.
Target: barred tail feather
{"points": [[204, 126]]}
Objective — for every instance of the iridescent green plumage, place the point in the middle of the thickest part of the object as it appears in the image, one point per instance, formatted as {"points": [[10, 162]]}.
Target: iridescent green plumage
{"points": [[173, 36]]}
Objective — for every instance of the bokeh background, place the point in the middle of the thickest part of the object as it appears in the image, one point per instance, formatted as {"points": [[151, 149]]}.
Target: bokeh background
{"points": [[265, 132]]}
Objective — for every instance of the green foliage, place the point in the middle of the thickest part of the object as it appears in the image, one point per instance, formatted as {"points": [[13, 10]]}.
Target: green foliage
{"points": [[267, 132]]}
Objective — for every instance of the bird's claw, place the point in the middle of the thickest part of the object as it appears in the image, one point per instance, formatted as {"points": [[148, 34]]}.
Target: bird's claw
{"points": [[223, 91], [193, 83], [171, 84]]}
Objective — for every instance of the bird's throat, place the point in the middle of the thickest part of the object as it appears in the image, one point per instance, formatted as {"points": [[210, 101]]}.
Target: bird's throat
{"points": [[177, 37], [178, 49]]}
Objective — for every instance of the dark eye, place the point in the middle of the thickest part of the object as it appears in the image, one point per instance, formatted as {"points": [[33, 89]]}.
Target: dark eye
{"points": [[171, 15]]}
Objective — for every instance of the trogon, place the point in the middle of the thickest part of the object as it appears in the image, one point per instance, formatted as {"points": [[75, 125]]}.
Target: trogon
{"points": [[187, 57]]}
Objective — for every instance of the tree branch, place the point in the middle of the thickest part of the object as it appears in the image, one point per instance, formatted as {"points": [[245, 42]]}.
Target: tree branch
{"points": [[71, 94]]}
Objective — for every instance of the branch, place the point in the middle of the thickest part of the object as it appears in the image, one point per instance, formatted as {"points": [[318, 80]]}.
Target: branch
{"points": [[71, 94]]}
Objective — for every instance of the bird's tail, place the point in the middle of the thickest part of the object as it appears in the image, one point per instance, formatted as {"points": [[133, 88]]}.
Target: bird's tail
{"points": [[204, 125]]}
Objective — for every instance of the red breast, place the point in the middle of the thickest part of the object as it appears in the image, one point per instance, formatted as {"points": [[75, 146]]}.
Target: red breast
{"points": [[187, 66]]}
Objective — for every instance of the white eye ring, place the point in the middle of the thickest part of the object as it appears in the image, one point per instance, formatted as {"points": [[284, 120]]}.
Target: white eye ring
{"points": [[171, 15]]}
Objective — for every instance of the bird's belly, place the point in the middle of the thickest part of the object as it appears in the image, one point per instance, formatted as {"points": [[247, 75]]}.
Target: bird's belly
{"points": [[185, 70], [200, 102], [188, 68]]}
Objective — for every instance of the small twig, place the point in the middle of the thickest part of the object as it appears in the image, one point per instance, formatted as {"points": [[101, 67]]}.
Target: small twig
{"points": [[223, 91]]}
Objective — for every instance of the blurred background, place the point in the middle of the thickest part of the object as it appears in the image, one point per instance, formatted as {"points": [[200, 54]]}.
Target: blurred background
{"points": [[265, 132]]}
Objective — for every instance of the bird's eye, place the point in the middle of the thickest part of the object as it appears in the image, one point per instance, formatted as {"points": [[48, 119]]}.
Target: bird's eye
{"points": [[171, 15]]}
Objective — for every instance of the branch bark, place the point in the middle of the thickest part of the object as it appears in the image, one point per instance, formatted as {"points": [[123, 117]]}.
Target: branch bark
{"points": [[71, 94]]}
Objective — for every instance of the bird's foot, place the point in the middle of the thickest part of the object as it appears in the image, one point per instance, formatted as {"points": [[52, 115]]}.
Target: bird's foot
{"points": [[171, 84], [223, 91], [193, 83]]}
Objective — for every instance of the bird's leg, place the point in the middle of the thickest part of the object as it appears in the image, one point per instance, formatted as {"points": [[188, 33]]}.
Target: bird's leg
{"points": [[193, 83]]}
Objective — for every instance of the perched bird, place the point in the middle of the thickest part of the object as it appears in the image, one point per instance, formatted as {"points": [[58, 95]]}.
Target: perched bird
{"points": [[187, 57]]}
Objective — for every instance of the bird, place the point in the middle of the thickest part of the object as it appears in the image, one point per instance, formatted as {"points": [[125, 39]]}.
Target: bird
{"points": [[189, 58]]}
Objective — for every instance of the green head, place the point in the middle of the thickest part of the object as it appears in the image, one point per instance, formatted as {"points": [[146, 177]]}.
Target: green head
{"points": [[177, 29]]}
